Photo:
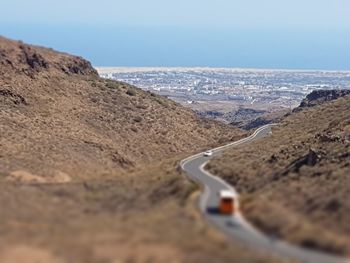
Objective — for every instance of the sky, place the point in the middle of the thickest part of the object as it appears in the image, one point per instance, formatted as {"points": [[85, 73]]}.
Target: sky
{"points": [[292, 34]]}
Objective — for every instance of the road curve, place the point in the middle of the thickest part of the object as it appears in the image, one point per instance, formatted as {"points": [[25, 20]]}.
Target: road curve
{"points": [[235, 226]]}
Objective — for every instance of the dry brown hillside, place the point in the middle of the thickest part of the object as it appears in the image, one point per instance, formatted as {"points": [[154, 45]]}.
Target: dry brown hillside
{"points": [[88, 168], [59, 120], [295, 184]]}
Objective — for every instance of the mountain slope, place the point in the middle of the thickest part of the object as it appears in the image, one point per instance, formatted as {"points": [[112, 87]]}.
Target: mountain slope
{"points": [[119, 147], [59, 120], [318, 97], [295, 184]]}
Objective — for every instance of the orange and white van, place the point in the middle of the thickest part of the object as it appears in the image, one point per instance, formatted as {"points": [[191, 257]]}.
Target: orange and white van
{"points": [[227, 202]]}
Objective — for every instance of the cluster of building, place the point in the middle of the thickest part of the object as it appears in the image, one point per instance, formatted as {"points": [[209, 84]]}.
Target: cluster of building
{"points": [[285, 88]]}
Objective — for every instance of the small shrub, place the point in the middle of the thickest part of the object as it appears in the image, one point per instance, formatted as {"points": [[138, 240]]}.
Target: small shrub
{"points": [[112, 85], [140, 106], [137, 119], [207, 126], [152, 94], [134, 129], [131, 92], [162, 102]]}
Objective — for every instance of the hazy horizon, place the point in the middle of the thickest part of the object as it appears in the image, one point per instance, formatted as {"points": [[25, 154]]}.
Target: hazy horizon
{"points": [[250, 34], [140, 68]]}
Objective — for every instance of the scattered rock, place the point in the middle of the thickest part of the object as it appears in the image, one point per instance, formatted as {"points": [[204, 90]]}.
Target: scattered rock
{"points": [[80, 66], [318, 97], [33, 59], [333, 205], [121, 161], [258, 122], [273, 159], [328, 137], [13, 97], [309, 159]]}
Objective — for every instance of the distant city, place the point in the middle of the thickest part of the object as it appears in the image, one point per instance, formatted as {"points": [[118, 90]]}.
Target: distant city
{"points": [[226, 90]]}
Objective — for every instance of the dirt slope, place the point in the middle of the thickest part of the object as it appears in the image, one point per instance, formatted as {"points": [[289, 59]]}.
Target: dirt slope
{"points": [[295, 184], [85, 174], [59, 120], [147, 216]]}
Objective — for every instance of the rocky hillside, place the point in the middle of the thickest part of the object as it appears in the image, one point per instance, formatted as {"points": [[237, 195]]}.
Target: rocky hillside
{"points": [[295, 184], [127, 201], [248, 119], [19, 58], [318, 97], [60, 121], [245, 118]]}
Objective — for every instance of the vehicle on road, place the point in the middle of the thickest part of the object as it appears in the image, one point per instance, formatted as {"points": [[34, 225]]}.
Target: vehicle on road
{"points": [[208, 153], [227, 202]]}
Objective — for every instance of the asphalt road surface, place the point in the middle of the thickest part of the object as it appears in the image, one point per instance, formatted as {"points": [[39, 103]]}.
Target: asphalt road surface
{"points": [[235, 226]]}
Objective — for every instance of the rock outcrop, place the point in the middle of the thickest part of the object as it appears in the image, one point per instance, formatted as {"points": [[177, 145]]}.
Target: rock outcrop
{"points": [[318, 97], [32, 60]]}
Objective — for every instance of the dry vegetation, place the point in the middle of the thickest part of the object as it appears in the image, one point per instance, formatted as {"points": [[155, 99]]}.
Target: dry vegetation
{"points": [[60, 120], [295, 184], [88, 168], [145, 216]]}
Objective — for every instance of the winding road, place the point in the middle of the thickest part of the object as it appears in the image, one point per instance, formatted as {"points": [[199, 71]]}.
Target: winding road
{"points": [[235, 226]]}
